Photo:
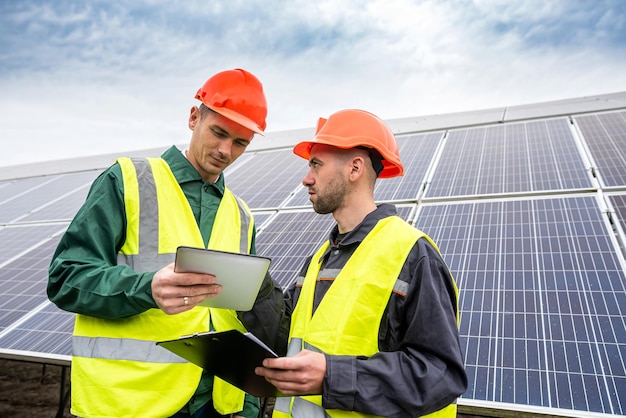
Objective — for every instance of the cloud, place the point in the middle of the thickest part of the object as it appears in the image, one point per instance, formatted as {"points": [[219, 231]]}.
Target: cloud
{"points": [[80, 78]]}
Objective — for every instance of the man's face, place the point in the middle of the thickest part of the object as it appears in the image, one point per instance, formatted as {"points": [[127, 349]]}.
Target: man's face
{"points": [[215, 143], [326, 179]]}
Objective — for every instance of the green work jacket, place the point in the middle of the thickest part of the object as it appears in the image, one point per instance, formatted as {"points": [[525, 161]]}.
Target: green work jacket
{"points": [[84, 276]]}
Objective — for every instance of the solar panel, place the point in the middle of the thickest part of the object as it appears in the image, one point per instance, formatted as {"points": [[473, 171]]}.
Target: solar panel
{"points": [[23, 281], [260, 218], [300, 198], [27, 195], [12, 188], [605, 136], [62, 208], [15, 240], [266, 180], [288, 239], [543, 301], [416, 153], [512, 158], [47, 333]]}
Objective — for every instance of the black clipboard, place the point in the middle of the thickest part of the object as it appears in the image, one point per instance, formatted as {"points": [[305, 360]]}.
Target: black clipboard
{"points": [[230, 355]]}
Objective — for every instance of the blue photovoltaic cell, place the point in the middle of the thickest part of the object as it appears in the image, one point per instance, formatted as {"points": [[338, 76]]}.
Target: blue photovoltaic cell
{"points": [[13, 188], [62, 210], [267, 179], [416, 154], [70, 193], [260, 218], [605, 135], [291, 237], [511, 158], [23, 283], [300, 199], [543, 301], [48, 331], [33, 196], [14, 240]]}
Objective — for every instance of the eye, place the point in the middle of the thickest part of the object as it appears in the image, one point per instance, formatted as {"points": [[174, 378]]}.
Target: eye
{"points": [[219, 133]]}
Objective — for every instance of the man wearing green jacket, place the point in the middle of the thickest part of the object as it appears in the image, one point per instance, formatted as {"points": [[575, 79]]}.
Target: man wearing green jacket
{"points": [[114, 265]]}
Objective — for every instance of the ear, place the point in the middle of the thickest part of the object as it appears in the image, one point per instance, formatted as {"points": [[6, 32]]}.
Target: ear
{"points": [[357, 167], [194, 117]]}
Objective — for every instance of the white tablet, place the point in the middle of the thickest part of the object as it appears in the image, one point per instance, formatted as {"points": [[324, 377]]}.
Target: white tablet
{"points": [[240, 275]]}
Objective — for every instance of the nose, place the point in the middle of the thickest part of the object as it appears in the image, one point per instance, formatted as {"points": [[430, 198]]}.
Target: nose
{"points": [[307, 180], [225, 148]]}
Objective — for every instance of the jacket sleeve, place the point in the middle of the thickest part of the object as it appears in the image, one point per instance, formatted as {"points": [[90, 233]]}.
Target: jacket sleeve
{"points": [[268, 319], [83, 275], [420, 366]]}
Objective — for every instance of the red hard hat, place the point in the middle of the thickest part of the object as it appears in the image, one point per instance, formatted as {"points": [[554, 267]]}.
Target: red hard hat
{"points": [[236, 95], [353, 128]]}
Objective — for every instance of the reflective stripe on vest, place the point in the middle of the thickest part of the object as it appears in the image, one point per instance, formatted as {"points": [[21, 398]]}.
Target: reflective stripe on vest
{"points": [[370, 274], [117, 369], [400, 287], [149, 223]]}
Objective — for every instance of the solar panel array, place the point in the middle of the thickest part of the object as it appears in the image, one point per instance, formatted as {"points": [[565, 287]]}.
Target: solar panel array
{"points": [[509, 158], [544, 300], [530, 217]]}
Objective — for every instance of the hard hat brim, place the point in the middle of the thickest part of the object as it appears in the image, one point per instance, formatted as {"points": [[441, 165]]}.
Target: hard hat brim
{"points": [[303, 149], [237, 118]]}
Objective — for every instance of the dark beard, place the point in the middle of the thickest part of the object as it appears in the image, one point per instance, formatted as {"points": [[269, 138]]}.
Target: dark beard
{"points": [[332, 199]]}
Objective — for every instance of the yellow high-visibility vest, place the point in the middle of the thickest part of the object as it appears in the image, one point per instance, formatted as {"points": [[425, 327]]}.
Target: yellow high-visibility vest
{"points": [[117, 369], [343, 324]]}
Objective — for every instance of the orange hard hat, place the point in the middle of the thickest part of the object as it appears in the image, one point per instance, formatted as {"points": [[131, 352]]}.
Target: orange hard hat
{"points": [[352, 128], [236, 95]]}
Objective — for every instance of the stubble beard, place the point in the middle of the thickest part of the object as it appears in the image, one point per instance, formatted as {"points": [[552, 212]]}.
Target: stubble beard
{"points": [[332, 199]]}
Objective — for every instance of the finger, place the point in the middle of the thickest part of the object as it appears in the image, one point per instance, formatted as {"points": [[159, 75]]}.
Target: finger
{"points": [[282, 363], [193, 295], [202, 291], [192, 279]]}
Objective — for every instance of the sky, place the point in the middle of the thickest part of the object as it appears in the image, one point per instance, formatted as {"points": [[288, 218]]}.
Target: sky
{"points": [[81, 78]]}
